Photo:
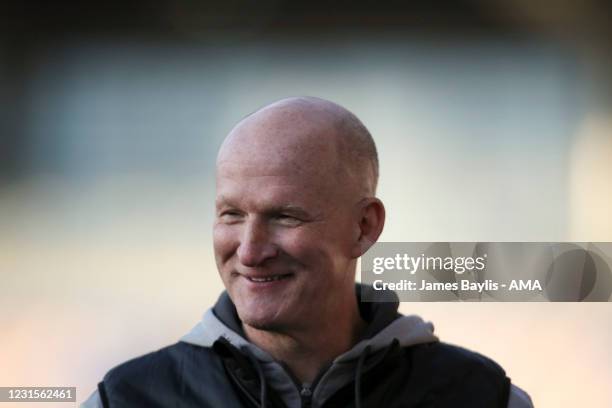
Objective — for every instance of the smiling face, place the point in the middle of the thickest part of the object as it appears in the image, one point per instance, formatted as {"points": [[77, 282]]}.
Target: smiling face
{"points": [[287, 222]]}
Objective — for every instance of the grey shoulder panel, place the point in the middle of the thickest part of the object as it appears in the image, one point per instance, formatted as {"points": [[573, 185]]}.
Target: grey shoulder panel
{"points": [[93, 401], [519, 398]]}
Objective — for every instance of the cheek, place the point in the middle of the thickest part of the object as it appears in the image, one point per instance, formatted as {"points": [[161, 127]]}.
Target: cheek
{"points": [[315, 249], [225, 242], [297, 241]]}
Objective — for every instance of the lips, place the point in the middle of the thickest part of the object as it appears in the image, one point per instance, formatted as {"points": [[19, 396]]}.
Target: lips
{"points": [[267, 278], [264, 279]]}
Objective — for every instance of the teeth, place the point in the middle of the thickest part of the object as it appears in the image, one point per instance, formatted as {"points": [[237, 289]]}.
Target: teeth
{"points": [[267, 279]]}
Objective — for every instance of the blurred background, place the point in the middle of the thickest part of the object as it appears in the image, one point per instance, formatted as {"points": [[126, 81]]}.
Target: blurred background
{"points": [[493, 122]]}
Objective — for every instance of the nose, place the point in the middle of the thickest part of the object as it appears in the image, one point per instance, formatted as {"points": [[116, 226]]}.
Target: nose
{"points": [[255, 244]]}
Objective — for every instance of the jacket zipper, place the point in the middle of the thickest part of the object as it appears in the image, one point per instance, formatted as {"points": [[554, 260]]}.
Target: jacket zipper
{"points": [[306, 396]]}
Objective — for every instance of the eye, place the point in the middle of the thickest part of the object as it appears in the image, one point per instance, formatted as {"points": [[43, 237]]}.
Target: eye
{"points": [[230, 215], [287, 219]]}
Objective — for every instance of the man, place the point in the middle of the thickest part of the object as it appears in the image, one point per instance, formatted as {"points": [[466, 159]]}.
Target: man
{"points": [[295, 209]]}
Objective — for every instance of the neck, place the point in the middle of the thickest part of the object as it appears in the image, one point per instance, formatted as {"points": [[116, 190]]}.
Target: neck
{"points": [[307, 351]]}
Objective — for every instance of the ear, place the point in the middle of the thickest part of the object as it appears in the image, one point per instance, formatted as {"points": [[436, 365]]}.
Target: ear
{"points": [[371, 213]]}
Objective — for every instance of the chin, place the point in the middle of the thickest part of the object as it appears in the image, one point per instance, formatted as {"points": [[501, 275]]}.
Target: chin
{"points": [[261, 324], [260, 321]]}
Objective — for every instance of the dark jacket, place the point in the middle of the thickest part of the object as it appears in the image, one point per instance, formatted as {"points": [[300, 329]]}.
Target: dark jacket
{"points": [[398, 363]]}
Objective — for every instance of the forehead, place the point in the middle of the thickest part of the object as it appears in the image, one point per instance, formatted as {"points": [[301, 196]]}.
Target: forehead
{"points": [[272, 183]]}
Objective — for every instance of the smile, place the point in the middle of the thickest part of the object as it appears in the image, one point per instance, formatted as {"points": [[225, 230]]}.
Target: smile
{"points": [[267, 278]]}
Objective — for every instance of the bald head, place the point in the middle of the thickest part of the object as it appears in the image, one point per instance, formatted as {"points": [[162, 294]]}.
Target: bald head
{"points": [[307, 135]]}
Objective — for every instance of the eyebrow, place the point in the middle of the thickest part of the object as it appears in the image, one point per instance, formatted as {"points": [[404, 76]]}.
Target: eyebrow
{"points": [[292, 209]]}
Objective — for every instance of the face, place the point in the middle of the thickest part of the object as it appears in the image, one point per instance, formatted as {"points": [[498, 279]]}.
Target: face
{"points": [[284, 233]]}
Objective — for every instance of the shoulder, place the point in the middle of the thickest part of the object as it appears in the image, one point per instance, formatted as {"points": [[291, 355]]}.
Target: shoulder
{"points": [[171, 358], [163, 372], [460, 375], [182, 374], [446, 356]]}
